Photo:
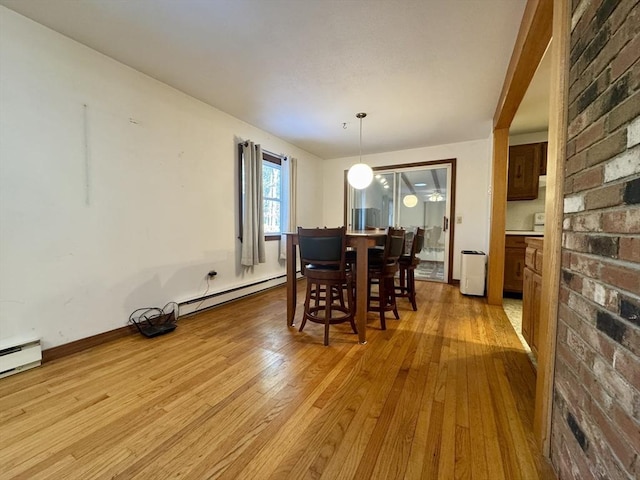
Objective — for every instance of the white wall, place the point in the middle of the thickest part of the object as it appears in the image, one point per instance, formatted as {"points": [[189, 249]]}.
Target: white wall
{"points": [[520, 212], [130, 208], [473, 164]]}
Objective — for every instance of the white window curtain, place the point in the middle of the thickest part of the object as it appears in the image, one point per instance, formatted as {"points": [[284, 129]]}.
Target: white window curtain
{"points": [[290, 182], [252, 209]]}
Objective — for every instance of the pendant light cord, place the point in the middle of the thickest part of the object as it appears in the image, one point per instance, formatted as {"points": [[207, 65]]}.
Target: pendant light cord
{"points": [[360, 139], [361, 115]]}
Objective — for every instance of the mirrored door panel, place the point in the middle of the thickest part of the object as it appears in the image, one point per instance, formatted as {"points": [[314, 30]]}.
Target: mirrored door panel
{"points": [[410, 197]]}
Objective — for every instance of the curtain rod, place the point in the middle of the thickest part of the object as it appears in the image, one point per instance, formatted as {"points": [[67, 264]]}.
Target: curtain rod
{"points": [[281, 156]]}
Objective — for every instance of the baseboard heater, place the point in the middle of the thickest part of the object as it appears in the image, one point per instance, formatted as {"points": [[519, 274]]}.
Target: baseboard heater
{"points": [[19, 355], [218, 298]]}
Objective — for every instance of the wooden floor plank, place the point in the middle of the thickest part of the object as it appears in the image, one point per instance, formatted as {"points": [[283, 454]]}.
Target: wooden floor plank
{"points": [[445, 392]]}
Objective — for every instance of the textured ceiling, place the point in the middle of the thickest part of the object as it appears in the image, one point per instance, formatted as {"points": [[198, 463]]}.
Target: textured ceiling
{"points": [[427, 72]]}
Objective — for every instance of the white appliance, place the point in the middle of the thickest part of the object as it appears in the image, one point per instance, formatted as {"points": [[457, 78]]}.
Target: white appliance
{"points": [[473, 272], [538, 222]]}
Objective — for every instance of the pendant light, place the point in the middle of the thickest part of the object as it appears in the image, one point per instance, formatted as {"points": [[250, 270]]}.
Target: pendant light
{"points": [[410, 200], [436, 196], [360, 175]]}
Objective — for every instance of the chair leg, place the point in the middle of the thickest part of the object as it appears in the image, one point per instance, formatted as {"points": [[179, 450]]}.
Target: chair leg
{"points": [[327, 317], [352, 304], [382, 301], [412, 289], [392, 297], [402, 279], [307, 302]]}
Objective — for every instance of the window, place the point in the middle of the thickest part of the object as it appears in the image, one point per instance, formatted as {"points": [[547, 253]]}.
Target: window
{"points": [[272, 195]]}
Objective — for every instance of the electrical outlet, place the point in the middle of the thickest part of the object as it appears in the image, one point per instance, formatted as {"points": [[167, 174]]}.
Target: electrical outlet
{"points": [[212, 273]]}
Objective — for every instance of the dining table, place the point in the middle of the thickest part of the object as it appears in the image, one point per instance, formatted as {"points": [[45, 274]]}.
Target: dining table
{"points": [[360, 241]]}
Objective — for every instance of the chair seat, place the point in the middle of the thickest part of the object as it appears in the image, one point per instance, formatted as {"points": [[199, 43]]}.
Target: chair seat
{"points": [[382, 270], [322, 252], [408, 265]]}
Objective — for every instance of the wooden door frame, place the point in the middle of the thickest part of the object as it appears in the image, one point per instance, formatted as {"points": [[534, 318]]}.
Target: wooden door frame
{"points": [[452, 194], [541, 19]]}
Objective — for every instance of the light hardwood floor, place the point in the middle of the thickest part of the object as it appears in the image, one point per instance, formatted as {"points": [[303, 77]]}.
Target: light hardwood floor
{"points": [[445, 393]]}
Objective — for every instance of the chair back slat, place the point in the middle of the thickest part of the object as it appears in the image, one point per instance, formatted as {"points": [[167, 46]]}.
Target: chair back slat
{"points": [[418, 242], [322, 246], [394, 245]]}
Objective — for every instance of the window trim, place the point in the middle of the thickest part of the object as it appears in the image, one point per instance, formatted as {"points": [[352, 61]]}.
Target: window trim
{"points": [[266, 156]]}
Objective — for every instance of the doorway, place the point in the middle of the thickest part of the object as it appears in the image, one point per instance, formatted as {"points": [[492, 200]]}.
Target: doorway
{"points": [[410, 196]]}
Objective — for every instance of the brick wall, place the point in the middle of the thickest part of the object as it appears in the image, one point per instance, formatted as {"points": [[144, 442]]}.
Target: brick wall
{"points": [[596, 414]]}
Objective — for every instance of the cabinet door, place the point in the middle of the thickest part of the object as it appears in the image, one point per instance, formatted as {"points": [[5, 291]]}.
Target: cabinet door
{"points": [[513, 269], [524, 170], [527, 310], [536, 302], [544, 146]]}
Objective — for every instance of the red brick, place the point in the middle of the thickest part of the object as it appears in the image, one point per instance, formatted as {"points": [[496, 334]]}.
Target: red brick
{"points": [[577, 124], [586, 179], [588, 222], [629, 426], [622, 221], [568, 186], [566, 355], [629, 249], [625, 112], [576, 163], [579, 348], [587, 265], [590, 135], [622, 277], [575, 241], [626, 57], [608, 196], [628, 366], [631, 341], [608, 148], [600, 294], [614, 384]]}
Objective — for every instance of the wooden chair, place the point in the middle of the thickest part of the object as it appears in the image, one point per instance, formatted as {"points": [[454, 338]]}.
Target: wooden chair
{"points": [[382, 272], [407, 265], [322, 254]]}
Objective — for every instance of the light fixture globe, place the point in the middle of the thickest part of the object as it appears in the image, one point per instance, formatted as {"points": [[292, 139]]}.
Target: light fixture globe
{"points": [[410, 201], [360, 176]]}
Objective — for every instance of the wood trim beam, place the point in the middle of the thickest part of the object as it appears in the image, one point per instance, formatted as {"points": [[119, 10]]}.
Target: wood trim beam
{"points": [[495, 279], [558, 111], [532, 41]]}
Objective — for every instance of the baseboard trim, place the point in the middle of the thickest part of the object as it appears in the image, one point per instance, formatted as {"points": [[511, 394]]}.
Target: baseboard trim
{"points": [[77, 346], [203, 303]]}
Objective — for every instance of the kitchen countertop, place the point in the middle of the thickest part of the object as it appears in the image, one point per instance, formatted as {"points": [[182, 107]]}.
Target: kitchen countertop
{"points": [[526, 233]]}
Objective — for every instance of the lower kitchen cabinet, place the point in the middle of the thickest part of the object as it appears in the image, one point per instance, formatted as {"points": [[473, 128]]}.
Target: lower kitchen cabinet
{"points": [[532, 293]]}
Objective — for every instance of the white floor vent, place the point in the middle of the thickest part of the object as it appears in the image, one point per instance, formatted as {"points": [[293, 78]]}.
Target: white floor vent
{"points": [[19, 355]]}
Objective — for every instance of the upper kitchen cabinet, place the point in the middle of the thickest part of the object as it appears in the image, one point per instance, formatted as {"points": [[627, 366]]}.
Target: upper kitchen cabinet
{"points": [[524, 170]]}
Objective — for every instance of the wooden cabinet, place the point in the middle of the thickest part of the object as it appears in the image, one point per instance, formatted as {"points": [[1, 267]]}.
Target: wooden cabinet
{"points": [[524, 170], [543, 158], [514, 253], [531, 297]]}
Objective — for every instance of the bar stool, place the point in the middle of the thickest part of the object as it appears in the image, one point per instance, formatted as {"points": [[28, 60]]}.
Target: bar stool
{"points": [[407, 265], [382, 272], [322, 254]]}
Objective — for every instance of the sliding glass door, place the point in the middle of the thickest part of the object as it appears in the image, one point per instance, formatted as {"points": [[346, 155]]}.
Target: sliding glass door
{"points": [[409, 197]]}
